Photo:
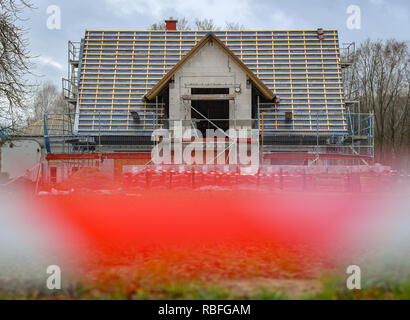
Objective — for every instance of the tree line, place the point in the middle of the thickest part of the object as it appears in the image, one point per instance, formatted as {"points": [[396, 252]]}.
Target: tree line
{"points": [[198, 24], [381, 82]]}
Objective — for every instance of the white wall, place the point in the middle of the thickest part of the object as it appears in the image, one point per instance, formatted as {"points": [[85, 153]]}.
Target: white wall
{"points": [[210, 67], [19, 156]]}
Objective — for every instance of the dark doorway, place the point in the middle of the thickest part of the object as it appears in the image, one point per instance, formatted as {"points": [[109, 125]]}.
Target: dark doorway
{"points": [[215, 110]]}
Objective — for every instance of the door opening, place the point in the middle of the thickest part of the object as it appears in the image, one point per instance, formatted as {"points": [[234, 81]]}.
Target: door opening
{"points": [[215, 110]]}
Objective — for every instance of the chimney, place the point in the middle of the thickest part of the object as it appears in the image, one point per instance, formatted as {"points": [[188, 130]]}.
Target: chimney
{"points": [[320, 34], [171, 24]]}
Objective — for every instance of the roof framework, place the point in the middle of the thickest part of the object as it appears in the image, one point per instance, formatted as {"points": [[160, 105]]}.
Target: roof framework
{"points": [[118, 68], [57, 125], [266, 92]]}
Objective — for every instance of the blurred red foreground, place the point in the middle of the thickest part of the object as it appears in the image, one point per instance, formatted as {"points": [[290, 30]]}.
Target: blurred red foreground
{"points": [[123, 222]]}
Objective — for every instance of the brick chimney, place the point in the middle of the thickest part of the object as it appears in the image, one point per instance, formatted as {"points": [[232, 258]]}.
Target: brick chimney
{"points": [[171, 24]]}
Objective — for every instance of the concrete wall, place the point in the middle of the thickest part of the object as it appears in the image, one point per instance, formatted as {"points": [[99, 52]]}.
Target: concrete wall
{"points": [[211, 67], [20, 156]]}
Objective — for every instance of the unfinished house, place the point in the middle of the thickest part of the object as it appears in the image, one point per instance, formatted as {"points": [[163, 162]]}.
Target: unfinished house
{"points": [[287, 85]]}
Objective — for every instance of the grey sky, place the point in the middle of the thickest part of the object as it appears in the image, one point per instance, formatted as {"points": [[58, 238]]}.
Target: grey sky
{"points": [[380, 19]]}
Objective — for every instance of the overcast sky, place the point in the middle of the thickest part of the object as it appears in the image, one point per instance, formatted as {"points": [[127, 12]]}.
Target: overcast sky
{"points": [[380, 19]]}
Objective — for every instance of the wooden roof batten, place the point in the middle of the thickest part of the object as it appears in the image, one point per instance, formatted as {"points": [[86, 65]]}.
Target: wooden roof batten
{"points": [[157, 89]]}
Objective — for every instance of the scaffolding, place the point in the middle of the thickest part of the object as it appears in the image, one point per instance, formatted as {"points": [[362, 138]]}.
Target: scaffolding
{"points": [[361, 125], [330, 123], [120, 67]]}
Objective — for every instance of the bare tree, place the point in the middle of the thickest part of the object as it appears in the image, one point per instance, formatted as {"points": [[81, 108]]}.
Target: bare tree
{"points": [[158, 26], [200, 24], [382, 79], [182, 24], [14, 61], [205, 24], [234, 26], [47, 99]]}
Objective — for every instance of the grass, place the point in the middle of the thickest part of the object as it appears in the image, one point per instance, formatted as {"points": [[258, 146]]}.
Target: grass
{"points": [[224, 272], [332, 289], [174, 291]]}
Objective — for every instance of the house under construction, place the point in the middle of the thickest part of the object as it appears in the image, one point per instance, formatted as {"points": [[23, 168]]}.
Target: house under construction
{"points": [[287, 85]]}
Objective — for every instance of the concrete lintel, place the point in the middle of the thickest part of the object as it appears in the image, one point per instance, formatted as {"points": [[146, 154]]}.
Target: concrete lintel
{"points": [[208, 97]]}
